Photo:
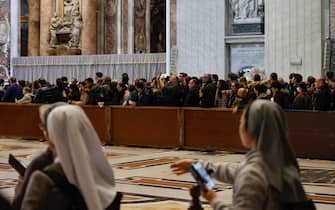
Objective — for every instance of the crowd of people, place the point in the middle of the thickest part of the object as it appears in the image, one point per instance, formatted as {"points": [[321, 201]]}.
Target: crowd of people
{"points": [[179, 90]]}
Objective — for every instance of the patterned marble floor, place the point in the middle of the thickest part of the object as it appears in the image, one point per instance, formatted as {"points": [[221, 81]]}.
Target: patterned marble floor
{"points": [[143, 175]]}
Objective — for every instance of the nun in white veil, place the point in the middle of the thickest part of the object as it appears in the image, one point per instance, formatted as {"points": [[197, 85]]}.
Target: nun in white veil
{"points": [[80, 156]]}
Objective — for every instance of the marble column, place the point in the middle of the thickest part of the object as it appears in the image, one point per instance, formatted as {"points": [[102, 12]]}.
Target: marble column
{"points": [[34, 28], [173, 23], [46, 15], [125, 26], [131, 27], [111, 9], [89, 34], [148, 25], [119, 27]]}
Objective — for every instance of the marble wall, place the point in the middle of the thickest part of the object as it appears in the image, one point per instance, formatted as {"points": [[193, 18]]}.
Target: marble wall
{"points": [[110, 26], [293, 37], [4, 38]]}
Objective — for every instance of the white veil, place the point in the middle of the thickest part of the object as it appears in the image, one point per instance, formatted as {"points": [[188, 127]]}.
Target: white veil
{"points": [[81, 155]]}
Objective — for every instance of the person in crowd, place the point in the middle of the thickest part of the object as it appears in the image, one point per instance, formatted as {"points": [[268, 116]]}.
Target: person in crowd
{"points": [[13, 92], [330, 77], [269, 178], [139, 96], [232, 77], [99, 77], [22, 83], [171, 93], [322, 95], [46, 93], [2, 88], [220, 97], [183, 81], [242, 99], [243, 82], [302, 101], [109, 93], [261, 91], [192, 97], [74, 92], [80, 162], [232, 94], [273, 78], [124, 93], [215, 79], [60, 93], [279, 96], [83, 95], [207, 92], [93, 91], [125, 79], [27, 97], [156, 89]]}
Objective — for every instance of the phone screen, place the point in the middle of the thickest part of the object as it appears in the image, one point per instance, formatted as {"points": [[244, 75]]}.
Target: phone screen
{"points": [[200, 174]]}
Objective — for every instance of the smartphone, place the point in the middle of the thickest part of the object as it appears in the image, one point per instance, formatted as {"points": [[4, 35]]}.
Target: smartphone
{"points": [[16, 164], [201, 175]]}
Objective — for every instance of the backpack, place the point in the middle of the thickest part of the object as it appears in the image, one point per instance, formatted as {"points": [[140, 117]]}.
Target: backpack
{"points": [[64, 195]]}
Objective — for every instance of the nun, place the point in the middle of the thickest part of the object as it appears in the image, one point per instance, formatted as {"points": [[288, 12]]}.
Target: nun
{"points": [[269, 178], [80, 160]]}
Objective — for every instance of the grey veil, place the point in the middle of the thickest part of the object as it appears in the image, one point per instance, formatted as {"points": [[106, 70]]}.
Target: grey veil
{"points": [[267, 123]]}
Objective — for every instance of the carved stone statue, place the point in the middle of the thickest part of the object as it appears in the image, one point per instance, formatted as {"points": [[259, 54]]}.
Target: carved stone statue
{"points": [[140, 8], [110, 7], [140, 42], [244, 9], [76, 33], [67, 31], [55, 26]]}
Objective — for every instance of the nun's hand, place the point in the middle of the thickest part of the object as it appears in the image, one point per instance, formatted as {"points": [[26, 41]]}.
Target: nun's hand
{"points": [[208, 194], [182, 166]]}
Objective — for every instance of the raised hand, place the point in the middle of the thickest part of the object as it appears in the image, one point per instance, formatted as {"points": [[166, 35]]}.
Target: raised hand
{"points": [[182, 166]]}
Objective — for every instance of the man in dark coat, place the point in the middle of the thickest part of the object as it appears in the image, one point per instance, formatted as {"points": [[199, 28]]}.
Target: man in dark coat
{"points": [[14, 91], [322, 96]]}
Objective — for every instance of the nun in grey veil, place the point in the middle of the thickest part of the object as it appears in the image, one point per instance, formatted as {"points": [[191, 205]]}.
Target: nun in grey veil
{"points": [[267, 123], [269, 178]]}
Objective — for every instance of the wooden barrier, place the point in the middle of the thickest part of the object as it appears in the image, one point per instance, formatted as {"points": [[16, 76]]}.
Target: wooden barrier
{"points": [[211, 129], [311, 134], [20, 121], [145, 126], [100, 118]]}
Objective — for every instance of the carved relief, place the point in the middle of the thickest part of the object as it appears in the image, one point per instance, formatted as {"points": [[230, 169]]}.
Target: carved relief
{"points": [[140, 8], [140, 37], [4, 39], [245, 10], [66, 30], [111, 8]]}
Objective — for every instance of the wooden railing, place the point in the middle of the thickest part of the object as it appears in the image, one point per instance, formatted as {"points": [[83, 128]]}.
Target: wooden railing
{"points": [[312, 134]]}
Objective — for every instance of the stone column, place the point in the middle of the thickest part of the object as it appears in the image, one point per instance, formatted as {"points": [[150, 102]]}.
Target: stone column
{"points": [[125, 26], [89, 34], [34, 28], [148, 25], [119, 27], [46, 15], [131, 27], [173, 23]]}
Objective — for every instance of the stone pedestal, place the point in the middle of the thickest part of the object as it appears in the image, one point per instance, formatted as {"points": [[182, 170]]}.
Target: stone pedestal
{"points": [[46, 14], [89, 35], [34, 28]]}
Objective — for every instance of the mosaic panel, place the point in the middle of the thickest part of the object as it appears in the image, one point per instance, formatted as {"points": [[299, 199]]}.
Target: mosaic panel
{"points": [[146, 163]]}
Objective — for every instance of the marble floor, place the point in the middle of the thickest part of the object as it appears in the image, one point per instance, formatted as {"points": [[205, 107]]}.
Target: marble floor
{"points": [[144, 176]]}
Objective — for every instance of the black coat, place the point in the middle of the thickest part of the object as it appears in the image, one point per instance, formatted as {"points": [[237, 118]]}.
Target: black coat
{"points": [[192, 98], [323, 99]]}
